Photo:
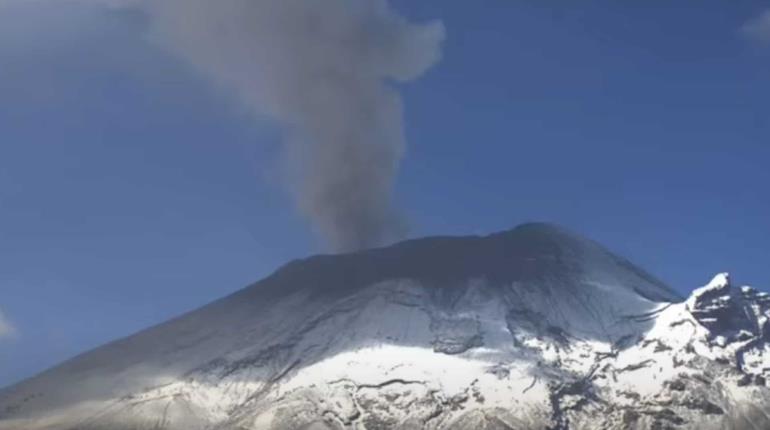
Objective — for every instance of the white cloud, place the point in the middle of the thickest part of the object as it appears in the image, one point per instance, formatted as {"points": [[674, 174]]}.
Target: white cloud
{"points": [[758, 28], [6, 329]]}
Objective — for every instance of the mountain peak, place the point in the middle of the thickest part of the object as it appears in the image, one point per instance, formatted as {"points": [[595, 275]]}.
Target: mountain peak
{"points": [[534, 327], [527, 253], [544, 228], [718, 286]]}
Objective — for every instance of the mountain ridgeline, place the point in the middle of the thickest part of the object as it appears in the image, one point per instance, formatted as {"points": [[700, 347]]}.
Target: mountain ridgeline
{"points": [[531, 328]]}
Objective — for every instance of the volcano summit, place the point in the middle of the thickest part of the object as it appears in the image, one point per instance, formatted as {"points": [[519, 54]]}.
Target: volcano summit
{"points": [[532, 328]]}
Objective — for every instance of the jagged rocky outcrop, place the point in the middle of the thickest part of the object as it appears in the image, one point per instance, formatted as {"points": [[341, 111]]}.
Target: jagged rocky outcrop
{"points": [[533, 328]]}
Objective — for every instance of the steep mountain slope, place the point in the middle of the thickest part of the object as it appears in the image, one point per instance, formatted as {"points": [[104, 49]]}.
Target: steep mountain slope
{"points": [[530, 328]]}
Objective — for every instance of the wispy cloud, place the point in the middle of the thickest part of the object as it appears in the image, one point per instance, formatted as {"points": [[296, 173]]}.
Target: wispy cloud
{"points": [[6, 329], [758, 28]]}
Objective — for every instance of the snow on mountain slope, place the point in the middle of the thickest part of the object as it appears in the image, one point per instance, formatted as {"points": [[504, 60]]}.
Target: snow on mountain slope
{"points": [[533, 328]]}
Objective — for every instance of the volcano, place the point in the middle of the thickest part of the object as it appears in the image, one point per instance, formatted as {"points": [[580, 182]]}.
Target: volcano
{"points": [[531, 328]]}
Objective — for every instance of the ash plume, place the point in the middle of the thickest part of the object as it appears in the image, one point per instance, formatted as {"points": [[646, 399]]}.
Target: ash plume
{"points": [[327, 71]]}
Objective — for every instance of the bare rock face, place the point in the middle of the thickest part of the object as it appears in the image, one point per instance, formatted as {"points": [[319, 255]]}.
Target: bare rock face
{"points": [[728, 313], [533, 328]]}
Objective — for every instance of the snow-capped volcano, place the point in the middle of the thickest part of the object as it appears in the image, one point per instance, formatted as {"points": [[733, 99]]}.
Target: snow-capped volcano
{"points": [[533, 328]]}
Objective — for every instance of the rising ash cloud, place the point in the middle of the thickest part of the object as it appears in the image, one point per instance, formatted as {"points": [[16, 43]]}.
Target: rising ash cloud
{"points": [[327, 71]]}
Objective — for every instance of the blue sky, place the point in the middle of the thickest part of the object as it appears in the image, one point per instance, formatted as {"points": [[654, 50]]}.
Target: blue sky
{"points": [[132, 189]]}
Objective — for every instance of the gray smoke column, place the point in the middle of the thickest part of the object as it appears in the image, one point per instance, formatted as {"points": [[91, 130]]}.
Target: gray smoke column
{"points": [[325, 70]]}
